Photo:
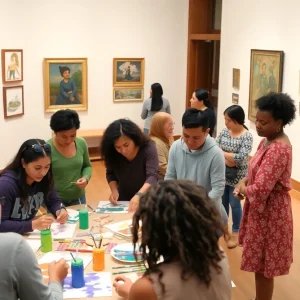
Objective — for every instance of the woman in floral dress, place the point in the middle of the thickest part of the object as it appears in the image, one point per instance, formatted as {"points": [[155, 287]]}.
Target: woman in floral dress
{"points": [[266, 232]]}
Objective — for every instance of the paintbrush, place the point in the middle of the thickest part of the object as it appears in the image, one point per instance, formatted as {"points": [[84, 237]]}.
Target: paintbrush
{"points": [[130, 271], [130, 266]]}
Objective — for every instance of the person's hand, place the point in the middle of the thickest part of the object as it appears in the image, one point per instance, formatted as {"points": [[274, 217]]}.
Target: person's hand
{"points": [[239, 189], [114, 197], [72, 99], [134, 203], [58, 271], [69, 92], [62, 216], [122, 288], [43, 222], [81, 183]]}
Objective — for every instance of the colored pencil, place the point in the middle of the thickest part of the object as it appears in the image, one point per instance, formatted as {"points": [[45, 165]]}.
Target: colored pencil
{"points": [[130, 271], [79, 250], [129, 266]]}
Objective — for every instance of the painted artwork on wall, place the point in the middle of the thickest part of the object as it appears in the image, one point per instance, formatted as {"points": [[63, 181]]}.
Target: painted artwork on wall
{"points": [[236, 78], [266, 72], [128, 94], [128, 71], [65, 84], [235, 98], [12, 65], [13, 101]]}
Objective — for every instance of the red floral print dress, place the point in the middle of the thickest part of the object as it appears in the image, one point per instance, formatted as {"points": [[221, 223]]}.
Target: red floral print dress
{"points": [[266, 232]]}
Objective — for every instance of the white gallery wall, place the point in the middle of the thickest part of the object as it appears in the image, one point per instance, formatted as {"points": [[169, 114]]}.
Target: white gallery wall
{"points": [[99, 30], [265, 25]]}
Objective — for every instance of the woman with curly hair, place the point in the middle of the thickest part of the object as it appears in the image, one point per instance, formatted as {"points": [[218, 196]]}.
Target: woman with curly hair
{"points": [[179, 224], [266, 231]]}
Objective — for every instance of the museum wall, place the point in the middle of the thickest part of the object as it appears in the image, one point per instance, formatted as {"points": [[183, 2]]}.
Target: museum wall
{"points": [[99, 30], [265, 25]]}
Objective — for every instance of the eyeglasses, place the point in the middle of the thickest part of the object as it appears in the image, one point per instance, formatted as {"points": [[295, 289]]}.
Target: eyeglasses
{"points": [[38, 148]]}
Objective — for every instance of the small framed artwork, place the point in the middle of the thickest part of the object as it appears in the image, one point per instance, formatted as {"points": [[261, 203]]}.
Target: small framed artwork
{"points": [[128, 71], [235, 98], [12, 65], [13, 101], [65, 84], [236, 78], [128, 94], [266, 70]]}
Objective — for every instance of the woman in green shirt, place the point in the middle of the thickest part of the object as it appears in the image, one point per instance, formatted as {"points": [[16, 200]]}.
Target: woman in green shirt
{"points": [[70, 160]]}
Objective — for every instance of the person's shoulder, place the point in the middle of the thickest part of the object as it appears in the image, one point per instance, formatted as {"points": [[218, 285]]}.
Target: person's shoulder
{"points": [[81, 141], [142, 289], [11, 240]]}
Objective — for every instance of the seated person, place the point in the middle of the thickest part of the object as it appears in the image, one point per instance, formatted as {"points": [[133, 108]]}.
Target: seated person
{"points": [[25, 185], [131, 161], [20, 275], [178, 223]]}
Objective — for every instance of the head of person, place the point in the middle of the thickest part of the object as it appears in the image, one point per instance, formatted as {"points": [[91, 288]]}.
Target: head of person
{"points": [[194, 128], [156, 93], [200, 99], [121, 138], [234, 116], [264, 68], [274, 112], [64, 71], [65, 123], [162, 126], [32, 164], [178, 222]]}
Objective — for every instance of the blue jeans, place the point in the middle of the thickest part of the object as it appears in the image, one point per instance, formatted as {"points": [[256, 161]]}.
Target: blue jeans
{"points": [[236, 207], [146, 131], [76, 202]]}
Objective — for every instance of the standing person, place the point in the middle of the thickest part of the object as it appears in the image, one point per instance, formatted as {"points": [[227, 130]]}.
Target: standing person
{"points": [[20, 274], [201, 102], [178, 223], [161, 132], [154, 104], [25, 185], [71, 164], [266, 232], [236, 143], [131, 161]]}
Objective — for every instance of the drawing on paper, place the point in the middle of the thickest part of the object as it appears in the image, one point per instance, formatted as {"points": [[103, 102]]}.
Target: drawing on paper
{"points": [[108, 207]]}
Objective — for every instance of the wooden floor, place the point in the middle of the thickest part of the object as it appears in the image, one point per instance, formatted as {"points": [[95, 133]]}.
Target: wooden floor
{"points": [[286, 287]]}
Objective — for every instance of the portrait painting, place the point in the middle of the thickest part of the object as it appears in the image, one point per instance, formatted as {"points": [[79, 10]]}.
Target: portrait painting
{"points": [[65, 84], [235, 98], [128, 71], [128, 94], [13, 101], [12, 65], [236, 78], [266, 70]]}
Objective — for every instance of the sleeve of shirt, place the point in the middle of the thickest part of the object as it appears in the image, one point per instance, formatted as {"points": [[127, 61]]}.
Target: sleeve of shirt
{"points": [[168, 109], [163, 161], [171, 169], [144, 110], [87, 166], [110, 174], [53, 202], [152, 164], [245, 149]]}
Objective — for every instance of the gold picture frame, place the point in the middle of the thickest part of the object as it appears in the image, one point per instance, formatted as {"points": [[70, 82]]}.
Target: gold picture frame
{"points": [[65, 84], [12, 65], [236, 78], [128, 94], [128, 72]]}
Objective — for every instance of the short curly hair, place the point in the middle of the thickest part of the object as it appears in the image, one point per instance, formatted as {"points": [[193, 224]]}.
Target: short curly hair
{"points": [[280, 105]]}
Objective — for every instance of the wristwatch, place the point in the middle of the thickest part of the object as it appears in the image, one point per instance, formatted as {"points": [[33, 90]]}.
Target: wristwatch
{"points": [[139, 194]]}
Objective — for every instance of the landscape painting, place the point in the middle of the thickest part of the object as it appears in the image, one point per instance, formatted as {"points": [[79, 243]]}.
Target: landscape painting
{"points": [[128, 94]]}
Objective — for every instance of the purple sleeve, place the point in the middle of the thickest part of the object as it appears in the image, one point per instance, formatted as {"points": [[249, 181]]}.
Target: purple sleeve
{"points": [[53, 202], [152, 164]]}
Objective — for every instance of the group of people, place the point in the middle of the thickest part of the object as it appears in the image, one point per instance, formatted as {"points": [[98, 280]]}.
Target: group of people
{"points": [[180, 192]]}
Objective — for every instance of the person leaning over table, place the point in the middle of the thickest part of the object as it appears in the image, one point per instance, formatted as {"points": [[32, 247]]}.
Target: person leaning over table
{"points": [[25, 185], [131, 161]]}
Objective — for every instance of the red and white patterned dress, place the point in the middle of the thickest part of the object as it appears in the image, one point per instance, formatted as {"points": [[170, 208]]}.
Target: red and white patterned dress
{"points": [[266, 232]]}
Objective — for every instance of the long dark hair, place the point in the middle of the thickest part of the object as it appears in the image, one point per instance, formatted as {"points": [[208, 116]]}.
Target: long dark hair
{"points": [[118, 128], [28, 154], [180, 223], [157, 100], [202, 95], [236, 114]]}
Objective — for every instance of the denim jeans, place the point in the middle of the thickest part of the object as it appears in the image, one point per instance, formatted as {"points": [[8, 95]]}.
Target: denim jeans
{"points": [[236, 207], [76, 202]]}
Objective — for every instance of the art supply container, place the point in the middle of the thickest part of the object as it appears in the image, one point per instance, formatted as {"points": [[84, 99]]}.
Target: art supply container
{"points": [[77, 270], [46, 240], [83, 219], [98, 259]]}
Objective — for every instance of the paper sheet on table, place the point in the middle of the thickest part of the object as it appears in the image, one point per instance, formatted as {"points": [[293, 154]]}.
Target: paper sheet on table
{"points": [[34, 244], [106, 207], [122, 228], [96, 285], [59, 231]]}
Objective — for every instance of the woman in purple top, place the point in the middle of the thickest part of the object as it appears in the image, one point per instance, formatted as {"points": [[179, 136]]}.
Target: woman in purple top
{"points": [[131, 161], [25, 185]]}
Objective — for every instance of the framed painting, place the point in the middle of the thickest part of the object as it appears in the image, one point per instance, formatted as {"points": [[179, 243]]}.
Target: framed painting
{"points": [[65, 84], [266, 70], [128, 71], [235, 98], [13, 101], [12, 65], [236, 78], [128, 94]]}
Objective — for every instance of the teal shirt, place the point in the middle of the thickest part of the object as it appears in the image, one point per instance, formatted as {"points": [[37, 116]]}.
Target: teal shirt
{"points": [[66, 170]]}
